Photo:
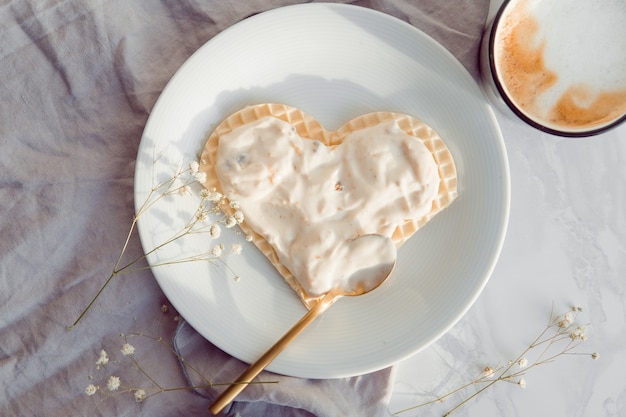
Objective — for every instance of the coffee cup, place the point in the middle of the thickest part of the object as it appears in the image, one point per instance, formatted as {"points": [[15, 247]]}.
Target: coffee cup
{"points": [[560, 66]]}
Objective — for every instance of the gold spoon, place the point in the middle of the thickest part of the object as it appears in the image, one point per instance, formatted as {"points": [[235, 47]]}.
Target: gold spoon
{"points": [[361, 282]]}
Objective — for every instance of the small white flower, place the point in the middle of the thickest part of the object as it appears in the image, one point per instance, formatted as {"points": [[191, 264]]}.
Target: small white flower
{"points": [[522, 383], [234, 204], [595, 356], [139, 395], [205, 194], [215, 231], [113, 383], [236, 248], [200, 176], [215, 197], [230, 222], [238, 216], [202, 215], [578, 333], [103, 359], [194, 167], [91, 389], [164, 309], [127, 349], [249, 238], [522, 363], [488, 372], [217, 251], [566, 321]]}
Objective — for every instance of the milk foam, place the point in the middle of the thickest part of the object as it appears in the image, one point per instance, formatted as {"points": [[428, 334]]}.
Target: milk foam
{"points": [[579, 44]]}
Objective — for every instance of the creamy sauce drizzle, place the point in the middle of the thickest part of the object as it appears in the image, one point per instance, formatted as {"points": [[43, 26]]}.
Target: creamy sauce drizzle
{"points": [[311, 201]]}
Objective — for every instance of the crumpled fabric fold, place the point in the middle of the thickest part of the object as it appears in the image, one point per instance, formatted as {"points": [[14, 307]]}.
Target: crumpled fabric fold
{"points": [[272, 394], [79, 79]]}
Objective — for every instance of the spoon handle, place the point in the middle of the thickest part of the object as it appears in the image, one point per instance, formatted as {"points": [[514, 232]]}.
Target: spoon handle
{"points": [[247, 376]]}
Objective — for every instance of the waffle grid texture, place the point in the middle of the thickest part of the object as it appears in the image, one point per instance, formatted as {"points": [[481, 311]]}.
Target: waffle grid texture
{"points": [[308, 127]]}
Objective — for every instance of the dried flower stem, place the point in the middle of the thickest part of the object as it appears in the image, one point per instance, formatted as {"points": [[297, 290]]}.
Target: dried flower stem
{"points": [[113, 385], [563, 328], [179, 183]]}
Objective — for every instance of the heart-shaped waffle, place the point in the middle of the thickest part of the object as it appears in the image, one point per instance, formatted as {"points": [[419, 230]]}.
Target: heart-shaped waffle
{"points": [[307, 128]]}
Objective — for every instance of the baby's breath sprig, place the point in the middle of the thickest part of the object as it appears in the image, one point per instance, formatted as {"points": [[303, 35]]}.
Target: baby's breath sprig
{"points": [[125, 375], [561, 336], [112, 372], [182, 183]]}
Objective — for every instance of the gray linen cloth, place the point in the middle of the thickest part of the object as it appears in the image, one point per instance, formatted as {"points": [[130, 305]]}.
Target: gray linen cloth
{"points": [[78, 80]]}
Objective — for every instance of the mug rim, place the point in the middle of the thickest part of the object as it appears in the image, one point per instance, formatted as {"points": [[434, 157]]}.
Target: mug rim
{"points": [[511, 104]]}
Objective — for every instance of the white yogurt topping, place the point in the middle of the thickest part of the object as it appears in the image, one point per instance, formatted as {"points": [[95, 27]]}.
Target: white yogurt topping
{"points": [[310, 201]]}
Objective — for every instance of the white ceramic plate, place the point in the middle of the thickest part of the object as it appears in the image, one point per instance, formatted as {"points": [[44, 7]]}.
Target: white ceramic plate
{"points": [[334, 62]]}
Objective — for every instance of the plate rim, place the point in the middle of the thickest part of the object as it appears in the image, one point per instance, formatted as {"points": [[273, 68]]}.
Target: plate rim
{"points": [[490, 114]]}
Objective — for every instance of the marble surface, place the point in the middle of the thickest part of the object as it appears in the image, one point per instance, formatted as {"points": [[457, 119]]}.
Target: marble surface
{"points": [[565, 247]]}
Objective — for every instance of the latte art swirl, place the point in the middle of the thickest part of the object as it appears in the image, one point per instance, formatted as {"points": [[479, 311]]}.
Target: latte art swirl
{"points": [[563, 64]]}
